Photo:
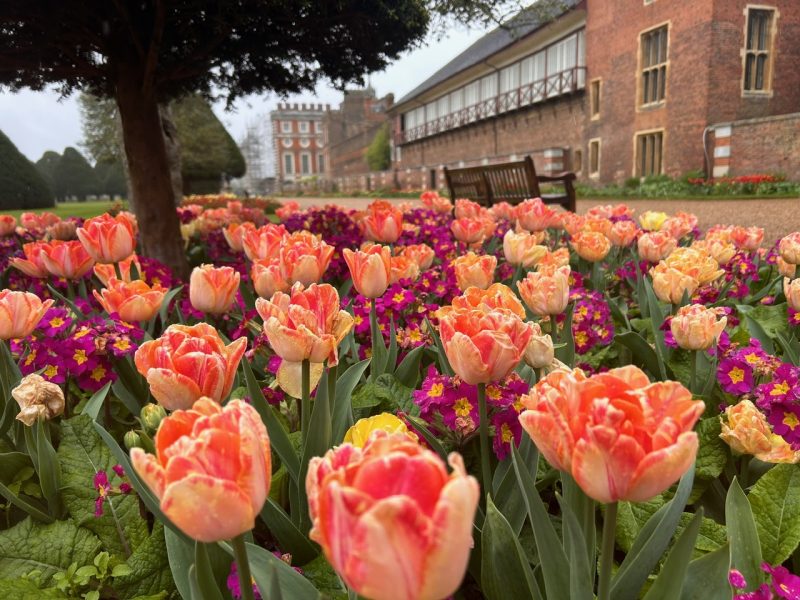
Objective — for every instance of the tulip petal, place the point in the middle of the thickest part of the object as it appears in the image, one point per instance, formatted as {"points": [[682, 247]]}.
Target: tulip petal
{"points": [[604, 464], [147, 467], [172, 390], [659, 470], [208, 509]]}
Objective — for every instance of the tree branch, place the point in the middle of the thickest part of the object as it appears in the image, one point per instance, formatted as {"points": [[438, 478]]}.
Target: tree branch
{"points": [[127, 18], [155, 45]]}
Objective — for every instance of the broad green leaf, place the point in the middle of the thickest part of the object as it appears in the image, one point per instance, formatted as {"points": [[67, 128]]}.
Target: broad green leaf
{"points": [[290, 538], [505, 572], [52, 548], [707, 577], [379, 352], [669, 582], [95, 403], [408, 372], [772, 319], [422, 428], [775, 501], [444, 363], [651, 543], [554, 562], [642, 353], [713, 452], [82, 454], [180, 554], [205, 574], [150, 568], [582, 576], [342, 410], [321, 574], [743, 536], [24, 589], [265, 566]]}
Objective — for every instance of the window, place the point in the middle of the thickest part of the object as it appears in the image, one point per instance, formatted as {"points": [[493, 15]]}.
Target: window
{"points": [[288, 164], [305, 163], [648, 153], [594, 158], [577, 161], [654, 65], [757, 52], [303, 126], [286, 126], [594, 98], [318, 126], [321, 163]]}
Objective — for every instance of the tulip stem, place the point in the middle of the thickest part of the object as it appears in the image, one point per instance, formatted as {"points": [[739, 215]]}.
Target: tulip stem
{"points": [[486, 469], [305, 401], [118, 271], [243, 567], [693, 371], [607, 552]]}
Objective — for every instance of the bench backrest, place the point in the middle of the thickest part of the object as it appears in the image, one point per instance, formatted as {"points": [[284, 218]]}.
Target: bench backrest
{"points": [[510, 182]]}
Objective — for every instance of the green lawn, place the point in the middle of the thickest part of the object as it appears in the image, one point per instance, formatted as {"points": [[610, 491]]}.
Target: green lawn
{"points": [[71, 209]]}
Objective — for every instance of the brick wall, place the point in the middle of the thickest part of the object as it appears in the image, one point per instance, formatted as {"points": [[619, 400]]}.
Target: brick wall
{"points": [[757, 146]]}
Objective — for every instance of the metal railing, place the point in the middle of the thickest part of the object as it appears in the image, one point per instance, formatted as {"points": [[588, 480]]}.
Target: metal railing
{"points": [[557, 84]]}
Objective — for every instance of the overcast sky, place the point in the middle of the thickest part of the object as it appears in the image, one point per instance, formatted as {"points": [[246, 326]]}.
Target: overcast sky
{"points": [[40, 121]]}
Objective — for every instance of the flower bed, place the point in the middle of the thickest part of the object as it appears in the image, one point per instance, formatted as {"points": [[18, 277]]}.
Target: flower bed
{"points": [[411, 403]]}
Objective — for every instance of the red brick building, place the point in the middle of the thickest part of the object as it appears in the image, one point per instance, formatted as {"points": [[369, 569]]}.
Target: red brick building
{"points": [[298, 142], [613, 89]]}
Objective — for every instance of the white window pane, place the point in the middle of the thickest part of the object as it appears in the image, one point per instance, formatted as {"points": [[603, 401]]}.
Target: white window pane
{"points": [[456, 100]]}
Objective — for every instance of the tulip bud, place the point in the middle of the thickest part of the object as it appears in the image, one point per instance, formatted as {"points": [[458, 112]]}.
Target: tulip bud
{"points": [[132, 440], [151, 416], [540, 352]]}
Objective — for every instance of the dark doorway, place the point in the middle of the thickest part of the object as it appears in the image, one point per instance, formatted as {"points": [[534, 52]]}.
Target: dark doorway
{"points": [[433, 180]]}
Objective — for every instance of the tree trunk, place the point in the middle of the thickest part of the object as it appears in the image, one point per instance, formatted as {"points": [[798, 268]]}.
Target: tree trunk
{"points": [[153, 198], [173, 147]]}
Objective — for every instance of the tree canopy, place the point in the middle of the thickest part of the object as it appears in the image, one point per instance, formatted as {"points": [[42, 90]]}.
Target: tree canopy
{"points": [[21, 184], [74, 176]]}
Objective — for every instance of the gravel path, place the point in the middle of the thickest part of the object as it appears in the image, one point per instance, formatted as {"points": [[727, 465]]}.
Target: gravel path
{"points": [[777, 217]]}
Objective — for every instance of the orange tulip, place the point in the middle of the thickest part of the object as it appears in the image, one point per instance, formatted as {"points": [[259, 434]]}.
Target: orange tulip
{"points": [[69, 260], [484, 346], [188, 362], [213, 289], [390, 519], [694, 262], [535, 215], [402, 267], [263, 242], [306, 324], [747, 238], [789, 248], [721, 251], [474, 270], [572, 222], [670, 284], [105, 272], [467, 209], [33, 263], [610, 210], [791, 289], [383, 222], [696, 327], [8, 225], [591, 245], [212, 469], [620, 436], [304, 258], [267, 278], [522, 248], [287, 210], [785, 269], [502, 210], [655, 246], [746, 430], [234, 235], [546, 293], [370, 269], [436, 203], [108, 239], [623, 233], [20, 313], [38, 221], [495, 296], [422, 254], [553, 260], [676, 227], [132, 301], [598, 224], [467, 230]]}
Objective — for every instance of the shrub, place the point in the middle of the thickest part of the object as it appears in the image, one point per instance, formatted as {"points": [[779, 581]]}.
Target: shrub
{"points": [[21, 185]]}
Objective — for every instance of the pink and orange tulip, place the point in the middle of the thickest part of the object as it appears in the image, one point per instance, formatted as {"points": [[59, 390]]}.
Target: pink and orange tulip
{"points": [[696, 327], [20, 313], [484, 346], [591, 245], [546, 293], [474, 270], [623, 233], [534, 215], [383, 222], [234, 235], [746, 430], [105, 272], [304, 258], [213, 289], [287, 210], [108, 239], [436, 203], [66, 259], [33, 263], [620, 436], [393, 503], [267, 278], [670, 284], [789, 248], [187, 363], [468, 230], [133, 301], [370, 269], [791, 289], [212, 469], [8, 224], [403, 267], [522, 248], [422, 254], [655, 246], [495, 296], [747, 238], [306, 324], [263, 242]]}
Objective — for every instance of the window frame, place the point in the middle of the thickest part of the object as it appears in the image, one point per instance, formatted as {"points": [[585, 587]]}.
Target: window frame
{"points": [[636, 154], [290, 156], [598, 141], [770, 50], [303, 126], [595, 98], [284, 128], [640, 69], [310, 171]]}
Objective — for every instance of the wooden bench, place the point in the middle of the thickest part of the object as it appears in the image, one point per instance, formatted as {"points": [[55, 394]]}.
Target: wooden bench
{"points": [[510, 182]]}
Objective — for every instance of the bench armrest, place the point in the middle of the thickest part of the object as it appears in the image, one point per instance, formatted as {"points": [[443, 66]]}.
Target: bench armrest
{"points": [[560, 177]]}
